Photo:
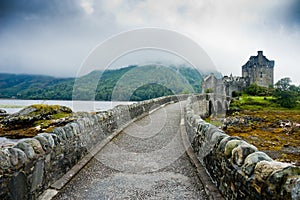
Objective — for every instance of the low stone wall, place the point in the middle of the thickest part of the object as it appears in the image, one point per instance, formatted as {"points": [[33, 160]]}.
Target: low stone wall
{"points": [[33, 164], [237, 168]]}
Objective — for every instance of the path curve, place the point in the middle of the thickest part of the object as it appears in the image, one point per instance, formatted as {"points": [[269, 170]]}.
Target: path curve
{"points": [[145, 161]]}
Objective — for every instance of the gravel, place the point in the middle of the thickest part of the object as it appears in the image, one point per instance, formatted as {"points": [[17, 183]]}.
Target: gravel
{"points": [[146, 161]]}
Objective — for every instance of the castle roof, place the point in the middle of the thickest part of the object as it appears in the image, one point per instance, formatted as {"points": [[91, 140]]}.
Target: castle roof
{"points": [[259, 60]]}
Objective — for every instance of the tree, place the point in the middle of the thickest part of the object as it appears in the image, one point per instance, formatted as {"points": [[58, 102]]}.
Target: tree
{"points": [[209, 90], [283, 84], [285, 93]]}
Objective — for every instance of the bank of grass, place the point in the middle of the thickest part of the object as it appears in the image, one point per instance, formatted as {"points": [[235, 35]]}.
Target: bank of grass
{"points": [[256, 103]]}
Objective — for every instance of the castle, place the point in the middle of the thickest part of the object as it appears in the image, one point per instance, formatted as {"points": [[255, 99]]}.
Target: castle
{"points": [[258, 70]]}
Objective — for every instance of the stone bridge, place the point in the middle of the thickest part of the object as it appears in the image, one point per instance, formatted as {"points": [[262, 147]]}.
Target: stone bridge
{"points": [[213, 104], [156, 149]]}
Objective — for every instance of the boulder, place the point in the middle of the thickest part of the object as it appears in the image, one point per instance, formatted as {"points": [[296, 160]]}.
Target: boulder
{"points": [[27, 116], [2, 111], [35, 119]]}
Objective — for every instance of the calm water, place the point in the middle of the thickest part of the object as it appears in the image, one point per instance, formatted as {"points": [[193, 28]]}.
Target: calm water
{"points": [[14, 105]]}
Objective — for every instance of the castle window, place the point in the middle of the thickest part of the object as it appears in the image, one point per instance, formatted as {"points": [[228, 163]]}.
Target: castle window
{"points": [[261, 74]]}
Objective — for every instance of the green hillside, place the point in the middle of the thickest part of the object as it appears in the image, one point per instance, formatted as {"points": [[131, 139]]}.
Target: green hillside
{"points": [[129, 83]]}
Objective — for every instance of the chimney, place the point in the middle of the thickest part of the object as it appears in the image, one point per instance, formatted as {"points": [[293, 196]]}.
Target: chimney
{"points": [[260, 56]]}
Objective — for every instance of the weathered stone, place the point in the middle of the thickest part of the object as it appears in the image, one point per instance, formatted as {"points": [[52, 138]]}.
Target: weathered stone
{"points": [[5, 162], [44, 142], [18, 186], [60, 133], [217, 137], [223, 143], [230, 145], [75, 128], [2, 111], [68, 131], [36, 145], [37, 176], [241, 152], [33, 113], [296, 190], [203, 127], [264, 169], [49, 139], [290, 171], [27, 149], [251, 161], [17, 158]]}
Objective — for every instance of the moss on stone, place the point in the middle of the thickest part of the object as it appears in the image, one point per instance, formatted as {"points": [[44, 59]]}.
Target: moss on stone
{"points": [[35, 119]]}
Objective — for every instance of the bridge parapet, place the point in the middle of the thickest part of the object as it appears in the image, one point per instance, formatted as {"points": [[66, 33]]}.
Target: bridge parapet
{"points": [[238, 169], [211, 104], [33, 164]]}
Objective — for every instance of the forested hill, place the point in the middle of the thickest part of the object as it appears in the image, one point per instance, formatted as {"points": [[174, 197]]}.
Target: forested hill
{"points": [[129, 83]]}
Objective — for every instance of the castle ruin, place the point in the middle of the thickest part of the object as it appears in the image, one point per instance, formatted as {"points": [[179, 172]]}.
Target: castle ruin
{"points": [[258, 70]]}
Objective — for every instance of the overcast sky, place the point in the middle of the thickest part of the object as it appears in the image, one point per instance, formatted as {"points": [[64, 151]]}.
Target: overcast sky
{"points": [[54, 37]]}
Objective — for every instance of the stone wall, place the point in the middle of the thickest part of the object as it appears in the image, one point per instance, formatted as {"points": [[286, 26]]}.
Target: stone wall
{"points": [[259, 70], [33, 164], [237, 168]]}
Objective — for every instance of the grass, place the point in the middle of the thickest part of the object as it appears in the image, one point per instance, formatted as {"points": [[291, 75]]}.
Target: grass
{"points": [[11, 106], [255, 103], [214, 121]]}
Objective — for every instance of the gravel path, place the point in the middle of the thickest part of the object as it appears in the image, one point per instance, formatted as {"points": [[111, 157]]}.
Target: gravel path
{"points": [[146, 161]]}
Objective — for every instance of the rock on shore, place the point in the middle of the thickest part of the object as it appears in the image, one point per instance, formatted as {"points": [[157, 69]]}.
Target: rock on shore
{"points": [[34, 119]]}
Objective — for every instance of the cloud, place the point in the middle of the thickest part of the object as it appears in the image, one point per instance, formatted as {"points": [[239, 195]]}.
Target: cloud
{"points": [[87, 6], [61, 33], [230, 31]]}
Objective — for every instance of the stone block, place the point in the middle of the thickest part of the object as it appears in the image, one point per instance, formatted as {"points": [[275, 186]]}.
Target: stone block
{"points": [[230, 145], [241, 152], [37, 176], [44, 143], [18, 187], [49, 138], [60, 133], [17, 157], [264, 169], [5, 162], [296, 190], [27, 149], [251, 161], [223, 143], [68, 131]]}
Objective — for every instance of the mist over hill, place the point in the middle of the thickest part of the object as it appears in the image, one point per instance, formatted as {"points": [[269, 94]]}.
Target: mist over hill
{"points": [[129, 83]]}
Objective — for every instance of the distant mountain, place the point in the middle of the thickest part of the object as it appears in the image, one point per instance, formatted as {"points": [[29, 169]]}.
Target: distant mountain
{"points": [[129, 83]]}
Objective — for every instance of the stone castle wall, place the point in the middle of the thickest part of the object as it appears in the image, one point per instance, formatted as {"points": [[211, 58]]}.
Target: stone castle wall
{"points": [[238, 169], [259, 70], [33, 164]]}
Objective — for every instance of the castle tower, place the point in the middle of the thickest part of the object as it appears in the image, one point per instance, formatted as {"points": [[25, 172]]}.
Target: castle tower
{"points": [[259, 70]]}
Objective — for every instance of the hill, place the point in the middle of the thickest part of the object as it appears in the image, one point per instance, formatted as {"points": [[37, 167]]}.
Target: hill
{"points": [[129, 83]]}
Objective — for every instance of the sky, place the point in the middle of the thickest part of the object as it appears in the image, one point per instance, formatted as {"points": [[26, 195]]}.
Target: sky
{"points": [[55, 37]]}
